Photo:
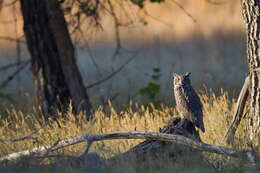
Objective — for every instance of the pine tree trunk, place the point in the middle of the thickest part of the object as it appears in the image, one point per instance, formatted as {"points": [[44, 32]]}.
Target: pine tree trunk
{"points": [[251, 14], [56, 76]]}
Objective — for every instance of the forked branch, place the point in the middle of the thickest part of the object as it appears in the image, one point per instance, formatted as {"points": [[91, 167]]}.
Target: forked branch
{"points": [[90, 138], [112, 73]]}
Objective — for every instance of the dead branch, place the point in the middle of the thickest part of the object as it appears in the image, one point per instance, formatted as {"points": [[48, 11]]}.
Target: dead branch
{"points": [[241, 102], [184, 10], [157, 19], [216, 2], [26, 137], [90, 53], [113, 73], [92, 58], [10, 78], [117, 29], [6, 67], [134, 135], [11, 39], [17, 139], [9, 4], [49, 150]]}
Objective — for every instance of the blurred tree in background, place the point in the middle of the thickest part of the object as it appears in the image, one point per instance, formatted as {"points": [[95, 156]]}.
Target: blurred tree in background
{"points": [[56, 75], [57, 78]]}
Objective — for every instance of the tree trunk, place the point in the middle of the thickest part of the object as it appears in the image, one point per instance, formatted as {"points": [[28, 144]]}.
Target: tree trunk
{"points": [[56, 76], [251, 14]]}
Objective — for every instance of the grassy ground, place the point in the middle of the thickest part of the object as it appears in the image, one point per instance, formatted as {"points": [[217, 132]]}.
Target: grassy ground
{"points": [[217, 111]]}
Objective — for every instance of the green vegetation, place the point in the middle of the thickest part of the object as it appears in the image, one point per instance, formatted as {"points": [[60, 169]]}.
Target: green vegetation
{"points": [[152, 90]]}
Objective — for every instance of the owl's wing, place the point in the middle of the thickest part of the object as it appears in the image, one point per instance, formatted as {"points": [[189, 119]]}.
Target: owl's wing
{"points": [[195, 107], [193, 99]]}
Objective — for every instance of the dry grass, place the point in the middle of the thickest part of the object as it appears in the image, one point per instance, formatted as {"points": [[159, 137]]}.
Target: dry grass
{"points": [[217, 111]]}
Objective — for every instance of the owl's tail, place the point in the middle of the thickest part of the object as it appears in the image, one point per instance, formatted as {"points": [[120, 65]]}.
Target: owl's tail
{"points": [[200, 125]]}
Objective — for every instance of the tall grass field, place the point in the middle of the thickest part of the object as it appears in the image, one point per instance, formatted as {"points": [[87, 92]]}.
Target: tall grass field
{"points": [[217, 116]]}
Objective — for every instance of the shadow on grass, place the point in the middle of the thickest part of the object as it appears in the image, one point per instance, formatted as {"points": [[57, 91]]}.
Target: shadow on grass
{"points": [[196, 163]]}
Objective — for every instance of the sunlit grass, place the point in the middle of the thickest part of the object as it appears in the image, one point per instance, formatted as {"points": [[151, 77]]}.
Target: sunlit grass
{"points": [[217, 115]]}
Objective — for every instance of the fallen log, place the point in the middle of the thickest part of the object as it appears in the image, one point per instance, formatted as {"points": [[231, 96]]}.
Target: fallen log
{"points": [[150, 136]]}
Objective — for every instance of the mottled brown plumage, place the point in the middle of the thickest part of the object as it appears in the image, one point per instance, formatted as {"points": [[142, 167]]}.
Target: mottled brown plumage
{"points": [[188, 102]]}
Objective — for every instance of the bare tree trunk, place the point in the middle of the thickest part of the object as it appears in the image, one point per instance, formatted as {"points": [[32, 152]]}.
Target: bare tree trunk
{"points": [[251, 14], [56, 76]]}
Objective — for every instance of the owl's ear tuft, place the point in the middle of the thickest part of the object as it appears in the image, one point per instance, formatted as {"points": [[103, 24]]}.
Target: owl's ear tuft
{"points": [[187, 74], [174, 74]]}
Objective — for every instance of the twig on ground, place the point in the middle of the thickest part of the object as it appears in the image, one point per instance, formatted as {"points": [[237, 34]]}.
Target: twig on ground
{"points": [[89, 144], [25, 137]]}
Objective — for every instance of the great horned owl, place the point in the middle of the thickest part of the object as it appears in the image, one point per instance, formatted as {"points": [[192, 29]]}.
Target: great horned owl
{"points": [[187, 101]]}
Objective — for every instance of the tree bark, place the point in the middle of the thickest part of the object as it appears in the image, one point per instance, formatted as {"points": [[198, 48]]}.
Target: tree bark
{"points": [[251, 14], [56, 76]]}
